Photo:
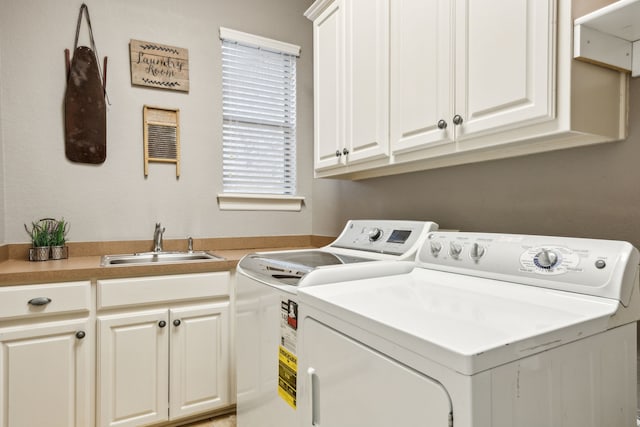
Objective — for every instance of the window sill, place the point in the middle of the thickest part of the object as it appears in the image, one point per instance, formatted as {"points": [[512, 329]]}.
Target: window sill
{"points": [[259, 202]]}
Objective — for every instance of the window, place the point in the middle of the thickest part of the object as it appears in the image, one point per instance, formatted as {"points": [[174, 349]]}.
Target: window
{"points": [[259, 115]]}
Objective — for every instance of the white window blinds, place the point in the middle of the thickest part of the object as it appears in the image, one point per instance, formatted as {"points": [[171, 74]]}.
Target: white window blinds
{"points": [[259, 115]]}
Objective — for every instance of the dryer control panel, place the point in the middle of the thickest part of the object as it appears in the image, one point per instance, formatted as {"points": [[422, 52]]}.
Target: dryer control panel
{"points": [[604, 268], [384, 236]]}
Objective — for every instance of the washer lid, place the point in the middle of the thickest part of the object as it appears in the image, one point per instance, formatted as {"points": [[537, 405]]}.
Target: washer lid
{"points": [[290, 267], [467, 323]]}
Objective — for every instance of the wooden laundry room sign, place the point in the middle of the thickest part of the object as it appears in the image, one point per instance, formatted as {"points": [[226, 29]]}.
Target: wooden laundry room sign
{"points": [[159, 65]]}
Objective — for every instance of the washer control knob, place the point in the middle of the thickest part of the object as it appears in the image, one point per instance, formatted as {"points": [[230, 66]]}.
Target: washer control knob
{"points": [[374, 234], [455, 249], [436, 247], [476, 252], [546, 258]]}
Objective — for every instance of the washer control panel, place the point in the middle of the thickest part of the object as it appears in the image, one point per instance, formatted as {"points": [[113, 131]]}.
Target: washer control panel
{"points": [[589, 266], [384, 236]]}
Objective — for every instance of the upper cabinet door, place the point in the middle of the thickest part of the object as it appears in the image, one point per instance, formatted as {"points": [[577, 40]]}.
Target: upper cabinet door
{"points": [[505, 62], [421, 74], [366, 79], [328, 104]]}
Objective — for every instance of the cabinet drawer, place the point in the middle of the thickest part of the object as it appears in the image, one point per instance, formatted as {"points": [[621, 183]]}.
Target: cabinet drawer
{"points": [[44, 299], [153, 290]]}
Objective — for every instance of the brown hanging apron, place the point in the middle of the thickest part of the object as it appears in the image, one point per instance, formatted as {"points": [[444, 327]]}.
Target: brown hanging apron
{"points": [[85, 109]]}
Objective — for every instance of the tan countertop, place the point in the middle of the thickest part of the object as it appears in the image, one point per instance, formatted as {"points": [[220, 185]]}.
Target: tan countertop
{"points": [[16, 270]]}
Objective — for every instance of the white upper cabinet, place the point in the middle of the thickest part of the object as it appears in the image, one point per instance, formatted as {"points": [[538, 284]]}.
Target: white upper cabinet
{"points": [[457, 75], [351, 82], [468, 81]]}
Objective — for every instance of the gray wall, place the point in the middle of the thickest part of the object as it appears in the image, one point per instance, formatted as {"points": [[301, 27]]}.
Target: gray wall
{"points": [[587, 192], [114, 201], [2, 213]]}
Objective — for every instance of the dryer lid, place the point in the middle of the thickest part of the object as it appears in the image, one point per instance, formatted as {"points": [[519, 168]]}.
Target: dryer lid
{"points": [[469, 324]]}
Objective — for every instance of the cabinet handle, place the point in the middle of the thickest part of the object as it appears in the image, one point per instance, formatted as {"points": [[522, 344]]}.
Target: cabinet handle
{"points": [[338, 153], [345, 151], [442, 124], [162, 323], [39, 301], [457, 119], [80, 334], [176, 322]]}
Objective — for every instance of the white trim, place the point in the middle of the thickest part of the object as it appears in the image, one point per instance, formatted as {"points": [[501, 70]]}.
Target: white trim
{"points": [[259, 42], [317, 8], [259, 202]]}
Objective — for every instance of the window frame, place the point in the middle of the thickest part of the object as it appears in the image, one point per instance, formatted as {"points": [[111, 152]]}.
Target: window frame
{"points": [[259, 201]]}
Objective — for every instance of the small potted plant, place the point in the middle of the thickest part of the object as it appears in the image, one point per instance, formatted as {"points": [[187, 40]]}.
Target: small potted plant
{"points": [[58, 231], [40, 234]]}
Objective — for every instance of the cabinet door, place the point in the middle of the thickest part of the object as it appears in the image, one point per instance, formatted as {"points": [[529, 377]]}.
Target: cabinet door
{"points": [[504, 64], [133, 365], [46, 375], [421, 74], [328, 80], [199, 359], [367, 79]]}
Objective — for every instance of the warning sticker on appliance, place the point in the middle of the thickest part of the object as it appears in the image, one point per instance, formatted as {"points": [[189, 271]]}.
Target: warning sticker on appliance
{"points": [[288, 324], [287, 376], [287, 359]]}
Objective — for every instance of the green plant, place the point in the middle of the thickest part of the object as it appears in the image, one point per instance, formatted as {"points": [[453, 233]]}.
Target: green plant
{"points": [[40, 233], [59, 230]]}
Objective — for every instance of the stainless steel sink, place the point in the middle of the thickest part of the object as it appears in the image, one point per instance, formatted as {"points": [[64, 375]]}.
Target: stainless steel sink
{"points": [[157, 258]]}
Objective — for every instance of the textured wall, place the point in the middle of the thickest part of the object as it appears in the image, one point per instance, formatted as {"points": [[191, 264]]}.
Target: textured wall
{"points": [[114, 201]]}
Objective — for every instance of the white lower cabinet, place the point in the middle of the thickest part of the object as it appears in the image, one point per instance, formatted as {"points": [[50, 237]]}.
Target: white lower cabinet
{"points": [[46, 343], [166, 358]]}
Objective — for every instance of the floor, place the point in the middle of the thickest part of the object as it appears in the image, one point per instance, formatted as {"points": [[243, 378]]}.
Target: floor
{"points": [[223, 421]]}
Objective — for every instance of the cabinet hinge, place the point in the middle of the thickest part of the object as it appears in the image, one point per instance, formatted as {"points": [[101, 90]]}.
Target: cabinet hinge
{"points": [[451, 419]]}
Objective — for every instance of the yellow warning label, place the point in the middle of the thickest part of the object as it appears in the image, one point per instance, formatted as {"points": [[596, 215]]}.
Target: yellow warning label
{"points": [[287, 376]]}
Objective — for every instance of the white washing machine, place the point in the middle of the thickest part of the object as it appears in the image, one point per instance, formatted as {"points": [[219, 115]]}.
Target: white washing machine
{"points": [[266, 307], [487, 330]]}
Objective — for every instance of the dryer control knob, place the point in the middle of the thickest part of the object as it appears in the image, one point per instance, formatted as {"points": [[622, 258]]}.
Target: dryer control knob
{"points": [[374, 234], [546, 258], [476, 252], [436, 247], [455, 249]]}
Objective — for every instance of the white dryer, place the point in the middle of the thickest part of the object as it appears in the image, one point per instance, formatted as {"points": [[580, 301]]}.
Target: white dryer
{"points": [[266, 307], [488, 330]]}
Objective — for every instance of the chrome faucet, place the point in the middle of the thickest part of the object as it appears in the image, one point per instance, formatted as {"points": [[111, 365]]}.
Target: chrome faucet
{"points": [[157, 238]]}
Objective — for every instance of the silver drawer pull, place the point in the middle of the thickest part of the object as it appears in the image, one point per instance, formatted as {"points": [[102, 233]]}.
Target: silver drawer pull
{"points": [[39, 301]]}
